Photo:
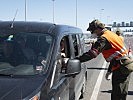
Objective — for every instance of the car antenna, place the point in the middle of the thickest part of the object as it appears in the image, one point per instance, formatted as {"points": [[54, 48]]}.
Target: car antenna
{"points": [[14, 19]]}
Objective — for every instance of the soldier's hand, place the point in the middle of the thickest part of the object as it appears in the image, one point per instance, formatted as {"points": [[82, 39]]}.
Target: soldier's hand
{"points": [[108, 76]]}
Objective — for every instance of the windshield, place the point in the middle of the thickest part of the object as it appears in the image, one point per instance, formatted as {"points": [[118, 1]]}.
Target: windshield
{"points": [[24, 53]]}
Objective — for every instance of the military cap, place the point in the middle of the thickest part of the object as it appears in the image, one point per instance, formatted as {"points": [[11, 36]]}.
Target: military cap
{"points": [[94, 25]]}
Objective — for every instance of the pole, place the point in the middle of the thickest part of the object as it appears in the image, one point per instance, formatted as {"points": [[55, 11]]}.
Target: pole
{"points": [[108, 17], [53, 11], [25, 9], [76, 12], [101, 11]]}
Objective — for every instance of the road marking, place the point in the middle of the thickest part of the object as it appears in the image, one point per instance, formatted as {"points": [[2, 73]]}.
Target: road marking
{"points": [[98, 83]]}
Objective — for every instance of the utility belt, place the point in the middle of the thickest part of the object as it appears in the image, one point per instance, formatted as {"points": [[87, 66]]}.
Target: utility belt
{"points": [[124, 64]]}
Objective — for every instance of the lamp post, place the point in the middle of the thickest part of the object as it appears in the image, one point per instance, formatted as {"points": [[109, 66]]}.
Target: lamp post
{"points": [[25, 9], [108, 18], [101, 12], [76, 12], [53, 11]]}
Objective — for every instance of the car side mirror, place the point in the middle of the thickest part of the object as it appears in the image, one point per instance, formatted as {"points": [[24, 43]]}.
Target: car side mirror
{"points": [[73, 67]]}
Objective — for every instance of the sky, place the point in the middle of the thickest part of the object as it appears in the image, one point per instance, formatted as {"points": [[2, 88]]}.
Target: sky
{"points": [[107, 11]]}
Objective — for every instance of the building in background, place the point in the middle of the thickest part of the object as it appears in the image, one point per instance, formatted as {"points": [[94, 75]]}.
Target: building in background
{"points": [[126, 28]]}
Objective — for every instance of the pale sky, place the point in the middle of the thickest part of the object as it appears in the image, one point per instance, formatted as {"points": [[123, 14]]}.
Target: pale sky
{"points": [[107, 11]]}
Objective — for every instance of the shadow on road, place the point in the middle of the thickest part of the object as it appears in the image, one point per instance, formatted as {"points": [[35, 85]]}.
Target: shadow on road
{"points": [[109, 91], [130, 92], [97, 68]]}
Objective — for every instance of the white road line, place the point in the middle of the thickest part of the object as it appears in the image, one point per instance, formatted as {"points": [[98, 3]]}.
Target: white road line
{"points": [[98, 83]]}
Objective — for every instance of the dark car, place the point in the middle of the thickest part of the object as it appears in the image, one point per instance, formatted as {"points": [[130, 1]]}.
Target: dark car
{"points": [[37, 61]]}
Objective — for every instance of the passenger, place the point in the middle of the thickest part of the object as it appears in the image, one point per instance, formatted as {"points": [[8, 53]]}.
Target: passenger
{"points": [[62, 47], [27, 49], [43, 46], [17, 56], [7, 48], [113, 50], [63, 55], [21, 54]]}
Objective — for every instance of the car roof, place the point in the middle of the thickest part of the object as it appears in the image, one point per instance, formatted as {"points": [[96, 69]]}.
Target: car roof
{"points": [[26, 26], [9, 27]]}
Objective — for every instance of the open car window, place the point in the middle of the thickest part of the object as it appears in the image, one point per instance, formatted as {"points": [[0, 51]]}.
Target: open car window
{"points": [[24, 53]]}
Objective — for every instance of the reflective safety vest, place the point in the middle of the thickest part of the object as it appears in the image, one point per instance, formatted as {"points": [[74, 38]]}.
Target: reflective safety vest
{"points": [[118, 49]]}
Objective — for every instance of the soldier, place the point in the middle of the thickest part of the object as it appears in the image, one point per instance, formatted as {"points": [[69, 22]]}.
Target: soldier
{"points": [[113, 49], [118, 32]]}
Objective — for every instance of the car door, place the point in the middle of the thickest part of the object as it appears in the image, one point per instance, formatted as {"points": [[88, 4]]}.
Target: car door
{"points": [[80, 78], [60, 85]]}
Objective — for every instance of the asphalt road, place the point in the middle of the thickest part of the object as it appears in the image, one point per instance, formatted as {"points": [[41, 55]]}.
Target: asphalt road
{"points": [[97, 87]]}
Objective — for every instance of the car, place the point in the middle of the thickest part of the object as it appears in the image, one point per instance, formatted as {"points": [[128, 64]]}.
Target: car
{"points": [[32, 66], [109, 27]]}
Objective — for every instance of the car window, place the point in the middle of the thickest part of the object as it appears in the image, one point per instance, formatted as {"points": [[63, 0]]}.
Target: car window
{"points": [[76, 44], [24, 53], [61, 60]]}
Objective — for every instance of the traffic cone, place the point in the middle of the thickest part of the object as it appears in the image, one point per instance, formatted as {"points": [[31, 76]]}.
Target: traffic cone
{"points": [[130, 52]]}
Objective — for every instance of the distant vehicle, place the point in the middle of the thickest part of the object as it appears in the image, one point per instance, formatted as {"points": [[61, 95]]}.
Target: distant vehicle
{"points": [[109, 27], [88, 39], [31, 65]]}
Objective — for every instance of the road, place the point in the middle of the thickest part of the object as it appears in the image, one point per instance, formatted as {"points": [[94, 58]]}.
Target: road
{"points": [[97, 87]]}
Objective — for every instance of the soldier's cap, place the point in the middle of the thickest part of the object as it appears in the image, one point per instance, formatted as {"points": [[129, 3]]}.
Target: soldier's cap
{"points": [[94, 25], [118, 32]]}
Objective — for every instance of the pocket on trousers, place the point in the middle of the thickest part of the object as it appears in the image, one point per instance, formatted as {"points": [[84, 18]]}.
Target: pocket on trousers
{"points": [[126, 66]]}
